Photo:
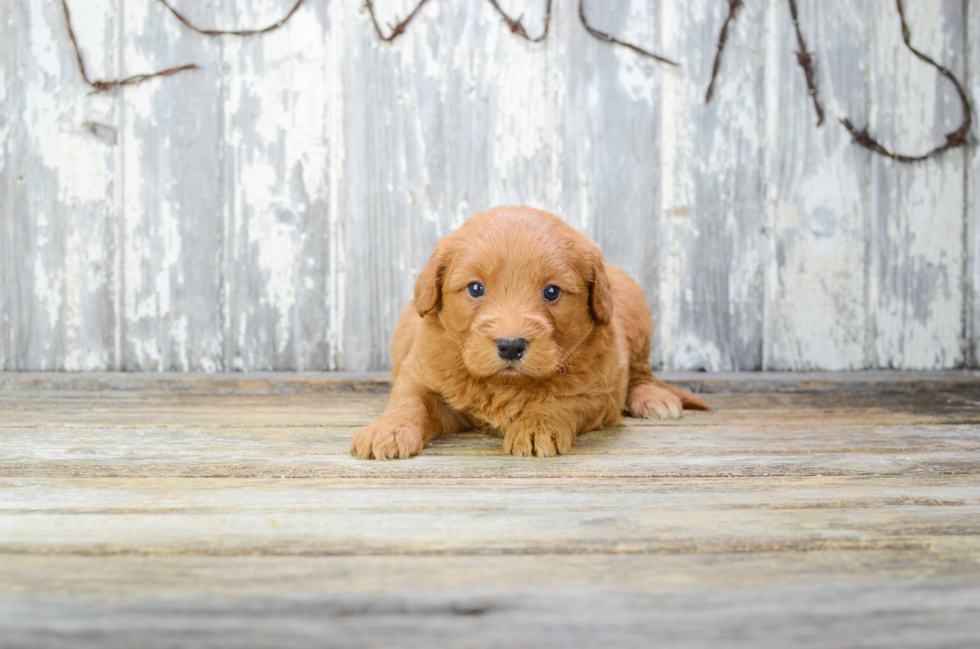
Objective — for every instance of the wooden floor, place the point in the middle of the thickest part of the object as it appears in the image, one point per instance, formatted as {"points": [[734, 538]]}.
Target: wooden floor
{"points": [[805, 510]]}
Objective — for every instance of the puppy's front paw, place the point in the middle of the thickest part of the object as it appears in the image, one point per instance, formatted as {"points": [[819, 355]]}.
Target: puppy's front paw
{"points": [[387, 440], [527, 437], [651, 401]]}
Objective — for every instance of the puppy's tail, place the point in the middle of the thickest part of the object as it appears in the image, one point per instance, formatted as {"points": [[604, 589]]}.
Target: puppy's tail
{"points": [[688, 399]]}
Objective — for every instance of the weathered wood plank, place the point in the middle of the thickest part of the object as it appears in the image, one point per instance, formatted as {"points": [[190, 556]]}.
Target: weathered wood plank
{"points": [[570, 516], [8, 261], [611, 150], [278, 157], [803, 518], [206, 444], [454, 117], [58, 293], [972, 224], [493, 464], [31, 385], [710, 253], [916, 281], [925, 613], [817, 190], [308, 435], [173, 194], [132, 238], [345, 408], [134, 576], [394, 212], [872, 598]]}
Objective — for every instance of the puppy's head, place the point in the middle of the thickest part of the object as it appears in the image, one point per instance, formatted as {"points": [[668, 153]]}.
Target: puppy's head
{"points": [[518, 289]]}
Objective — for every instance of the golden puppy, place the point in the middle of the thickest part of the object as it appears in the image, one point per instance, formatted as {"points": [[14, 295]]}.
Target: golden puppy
{"points": [[519, 327]]}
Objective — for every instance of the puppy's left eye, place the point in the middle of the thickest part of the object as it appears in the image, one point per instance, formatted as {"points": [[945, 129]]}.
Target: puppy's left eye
{"points": [[551, 293], [476, 289]]}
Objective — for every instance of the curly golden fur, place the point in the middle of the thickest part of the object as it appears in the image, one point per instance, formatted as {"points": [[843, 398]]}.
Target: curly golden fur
{"points": [[581, 360]]}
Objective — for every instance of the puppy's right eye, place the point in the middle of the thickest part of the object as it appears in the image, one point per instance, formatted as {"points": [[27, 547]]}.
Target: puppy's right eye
{"points": [[475, 289]]}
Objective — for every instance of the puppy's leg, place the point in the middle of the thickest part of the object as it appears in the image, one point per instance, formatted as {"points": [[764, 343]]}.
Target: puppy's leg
{"points": [[651, 397], [539, 435], [550, 429], [412, 417], [648, 396]]}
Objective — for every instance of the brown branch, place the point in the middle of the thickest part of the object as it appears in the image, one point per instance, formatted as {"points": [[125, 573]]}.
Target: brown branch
{"points": [[233, 32], [608, 38], [733, 7], [396, 30], [516, 27], [806, 62], [513, 24], [100, 85], [953, 139]]}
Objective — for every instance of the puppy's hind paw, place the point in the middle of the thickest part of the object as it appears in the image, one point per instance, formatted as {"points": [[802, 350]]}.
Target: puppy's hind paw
{"points": [[384, 440], [649, 401]]}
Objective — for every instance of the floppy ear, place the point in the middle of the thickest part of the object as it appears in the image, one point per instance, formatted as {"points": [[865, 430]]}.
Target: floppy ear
{"points": [[600, 292], [428, 287]]}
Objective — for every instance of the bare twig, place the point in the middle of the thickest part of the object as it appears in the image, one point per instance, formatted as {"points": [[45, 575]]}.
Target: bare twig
{"points": [[608, 38], [396, 30], [233, 32], [953, 139], [515, 24], [806, 62], [100, 85], [733, 7]]}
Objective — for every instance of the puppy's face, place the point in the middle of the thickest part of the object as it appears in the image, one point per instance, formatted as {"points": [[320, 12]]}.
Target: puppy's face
{"points": [[518, 290]]}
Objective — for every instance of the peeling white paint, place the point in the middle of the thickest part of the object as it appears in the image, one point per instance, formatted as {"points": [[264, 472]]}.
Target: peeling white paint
{"points": [[61, 178], [636, 73], [972, 324], [55, 119], [763, 233], [48, 282], [710, 178], [524, 114], [692, 352], [916, 281]]}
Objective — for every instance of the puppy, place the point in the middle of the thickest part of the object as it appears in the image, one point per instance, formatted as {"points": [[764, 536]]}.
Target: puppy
{"points": [[519, 327]]}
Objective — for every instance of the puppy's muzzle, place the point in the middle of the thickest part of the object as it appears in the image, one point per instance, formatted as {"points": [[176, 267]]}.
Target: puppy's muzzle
{"points": [[511, 349]]}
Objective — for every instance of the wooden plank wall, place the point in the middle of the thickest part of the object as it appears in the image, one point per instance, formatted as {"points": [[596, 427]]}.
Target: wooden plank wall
{"points": [[270, 210]]}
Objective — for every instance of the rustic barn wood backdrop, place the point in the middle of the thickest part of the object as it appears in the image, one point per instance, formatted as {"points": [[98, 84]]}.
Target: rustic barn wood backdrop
{"points": [[271, 210]]}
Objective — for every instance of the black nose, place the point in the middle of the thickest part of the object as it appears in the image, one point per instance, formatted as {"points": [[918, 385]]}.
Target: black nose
{"points": [[511, 349]]}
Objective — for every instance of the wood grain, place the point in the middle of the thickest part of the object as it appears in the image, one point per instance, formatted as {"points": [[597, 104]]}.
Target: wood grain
{"points": [[270, 210], [59, 307], [278, 383], [374, 576], [7, 180], [172, 196], [229, 512], [612, 116], [916, 281], [307, 435], [817, 192], [277, 152], [565, 516], [905, 614], [501, 99], [710, 253], [972, 218]]}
